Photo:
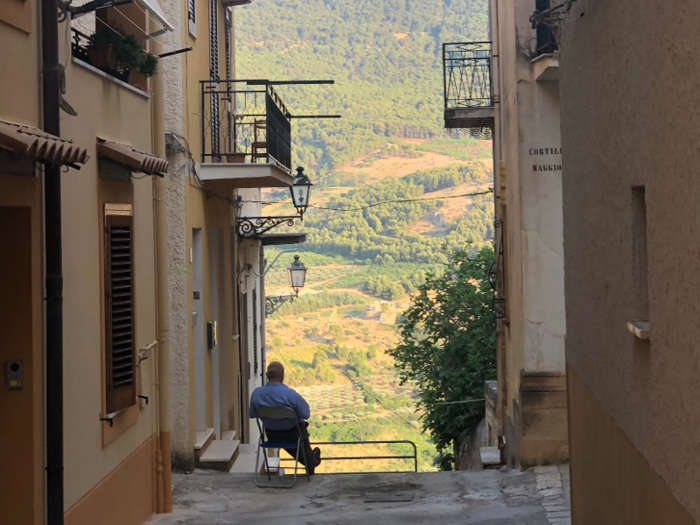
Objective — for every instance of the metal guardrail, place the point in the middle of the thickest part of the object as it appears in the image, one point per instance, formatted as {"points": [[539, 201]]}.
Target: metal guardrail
{"points": [[467, 75], [414, 457], [244, 123]]}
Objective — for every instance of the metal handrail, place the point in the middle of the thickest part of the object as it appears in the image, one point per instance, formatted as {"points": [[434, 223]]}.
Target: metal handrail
{"points": [[414, 457]]}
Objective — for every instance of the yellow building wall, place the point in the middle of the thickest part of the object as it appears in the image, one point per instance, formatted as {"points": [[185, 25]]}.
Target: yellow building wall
{"points": [[112, 111], [95, 455], [209, 209]]}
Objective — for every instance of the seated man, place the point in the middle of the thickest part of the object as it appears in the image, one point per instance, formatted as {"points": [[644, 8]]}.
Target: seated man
{"points": [[276, 394]]}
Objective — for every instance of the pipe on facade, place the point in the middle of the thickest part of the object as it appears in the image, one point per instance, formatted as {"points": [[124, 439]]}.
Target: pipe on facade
{"points": [[164, 495], [53, 253]]}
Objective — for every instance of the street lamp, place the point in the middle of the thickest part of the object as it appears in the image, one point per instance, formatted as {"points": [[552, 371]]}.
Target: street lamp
{"points": [[300, 191], [297, 274], [252, 226], [297, 278]]}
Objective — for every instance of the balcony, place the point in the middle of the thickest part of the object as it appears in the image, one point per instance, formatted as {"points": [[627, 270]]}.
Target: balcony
{"points": [[80, 46], [545, 59], [246, 135], [468, 89]]}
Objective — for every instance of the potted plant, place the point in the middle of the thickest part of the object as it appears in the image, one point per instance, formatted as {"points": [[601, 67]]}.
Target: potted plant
{"points": [[236, 158], [149, 65], [111, 49], [102, 49]]}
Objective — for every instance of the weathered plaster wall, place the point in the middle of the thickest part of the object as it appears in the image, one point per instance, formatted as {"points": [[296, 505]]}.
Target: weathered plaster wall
{"points": [[630, 117], [178, 260], [529, 141]]}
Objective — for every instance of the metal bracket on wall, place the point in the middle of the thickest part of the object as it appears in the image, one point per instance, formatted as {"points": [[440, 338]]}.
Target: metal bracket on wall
{"points": [[274, 302], [250, 226]]}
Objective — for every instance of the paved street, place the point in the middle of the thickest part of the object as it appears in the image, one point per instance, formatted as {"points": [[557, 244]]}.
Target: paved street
{"points": [[536, 497]]}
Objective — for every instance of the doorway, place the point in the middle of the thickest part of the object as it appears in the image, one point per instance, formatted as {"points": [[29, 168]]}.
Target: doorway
{"points": [[198, 323], [16, 352]]}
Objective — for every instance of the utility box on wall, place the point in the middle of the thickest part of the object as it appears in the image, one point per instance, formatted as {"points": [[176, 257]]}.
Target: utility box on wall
{"points": [[15, 375]]}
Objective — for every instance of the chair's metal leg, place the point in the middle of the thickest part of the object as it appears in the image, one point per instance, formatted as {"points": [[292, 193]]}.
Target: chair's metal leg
{"points": [[267, 465], [296, 463], [306, 460], [257, 459]]}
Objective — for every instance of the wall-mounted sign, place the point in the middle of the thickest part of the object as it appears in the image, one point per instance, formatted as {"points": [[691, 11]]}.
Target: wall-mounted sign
{"points": [[546, 152]]}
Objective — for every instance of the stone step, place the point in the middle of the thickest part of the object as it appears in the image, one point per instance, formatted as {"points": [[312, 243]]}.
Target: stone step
{"points": [[229, 435], [245, 463], [219, 455], [202, 441]]}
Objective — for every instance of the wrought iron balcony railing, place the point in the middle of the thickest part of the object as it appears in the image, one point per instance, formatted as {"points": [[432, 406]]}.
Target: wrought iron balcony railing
{"points": [[468, 89], [467, 74], [244, 123]]}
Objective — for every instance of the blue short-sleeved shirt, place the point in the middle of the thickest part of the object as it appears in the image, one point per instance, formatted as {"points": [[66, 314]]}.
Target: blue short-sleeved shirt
{"points": [[273, 395]]}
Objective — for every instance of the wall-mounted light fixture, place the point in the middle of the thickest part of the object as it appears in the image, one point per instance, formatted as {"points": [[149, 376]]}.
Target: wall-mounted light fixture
{"points": [[252, 226], [297, 279]]}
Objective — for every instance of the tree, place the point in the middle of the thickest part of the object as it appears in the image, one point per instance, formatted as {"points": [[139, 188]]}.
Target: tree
{"points": [[448, 348]]}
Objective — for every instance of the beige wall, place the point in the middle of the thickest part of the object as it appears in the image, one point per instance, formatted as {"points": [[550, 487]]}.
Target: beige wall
{"points": [[612, 483], [528, 121], [628, 118], [124, 496], [109, 110]]}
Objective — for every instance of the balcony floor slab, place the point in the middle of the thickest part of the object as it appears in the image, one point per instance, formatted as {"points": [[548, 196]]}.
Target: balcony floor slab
{"points": [[244, 175]]}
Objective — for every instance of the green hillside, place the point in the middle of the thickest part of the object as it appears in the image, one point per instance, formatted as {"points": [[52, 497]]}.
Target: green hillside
{"points": [[385, 56], [388, 206]]}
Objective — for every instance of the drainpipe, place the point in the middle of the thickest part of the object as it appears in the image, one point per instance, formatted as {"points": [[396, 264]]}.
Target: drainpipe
{"points": [[53, 270], [164, 495]]}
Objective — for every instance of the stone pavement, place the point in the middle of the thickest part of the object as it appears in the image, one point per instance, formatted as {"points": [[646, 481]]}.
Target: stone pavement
{"points": [[489, 497]]}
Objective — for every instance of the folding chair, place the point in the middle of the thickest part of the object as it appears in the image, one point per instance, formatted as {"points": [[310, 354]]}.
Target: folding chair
{"points": [[277, 413]]}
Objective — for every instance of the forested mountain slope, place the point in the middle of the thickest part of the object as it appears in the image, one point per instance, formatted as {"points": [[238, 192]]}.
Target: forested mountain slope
{"points": [[385, 56]]}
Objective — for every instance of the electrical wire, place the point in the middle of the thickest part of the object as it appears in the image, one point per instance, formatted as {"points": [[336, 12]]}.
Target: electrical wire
{"points": [[381, 203], [401, 201], [465, 401]]}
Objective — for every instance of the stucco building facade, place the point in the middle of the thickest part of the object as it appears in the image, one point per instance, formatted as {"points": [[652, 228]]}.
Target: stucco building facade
{"points": [[220, 156], [629, 130], [507, 89], [528, 145], [110, 160]]}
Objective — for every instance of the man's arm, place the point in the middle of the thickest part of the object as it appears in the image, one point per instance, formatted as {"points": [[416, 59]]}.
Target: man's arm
{"points": [[253, 409], [301, 407]]}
